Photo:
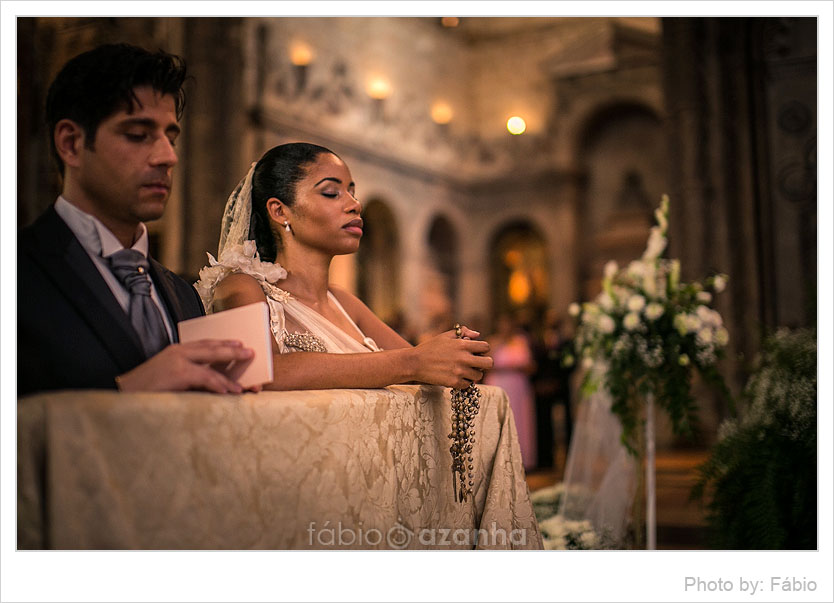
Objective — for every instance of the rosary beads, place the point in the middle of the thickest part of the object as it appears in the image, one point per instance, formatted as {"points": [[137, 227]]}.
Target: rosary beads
{"points": [[465, 406]]}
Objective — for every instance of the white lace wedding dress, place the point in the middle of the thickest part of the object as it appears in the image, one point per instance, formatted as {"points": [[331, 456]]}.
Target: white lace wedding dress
{"points": [[295, 326]]}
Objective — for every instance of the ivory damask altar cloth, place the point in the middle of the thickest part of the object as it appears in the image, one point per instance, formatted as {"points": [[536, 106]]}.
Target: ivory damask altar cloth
{"points": [[327, 469]]}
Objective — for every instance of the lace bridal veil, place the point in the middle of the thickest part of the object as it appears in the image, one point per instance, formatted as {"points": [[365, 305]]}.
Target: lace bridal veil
{"points": [[294, 326]]}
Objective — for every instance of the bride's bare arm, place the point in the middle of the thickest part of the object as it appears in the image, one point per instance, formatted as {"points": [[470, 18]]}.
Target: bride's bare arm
{"points": [[443, 360]]}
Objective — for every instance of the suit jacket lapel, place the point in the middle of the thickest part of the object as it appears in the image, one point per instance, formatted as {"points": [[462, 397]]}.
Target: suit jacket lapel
{"points": [[166, 291], [66, 262]]}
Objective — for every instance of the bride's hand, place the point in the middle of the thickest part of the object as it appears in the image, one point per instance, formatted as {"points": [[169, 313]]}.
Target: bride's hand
{"points": [[452, 362], [467, 333]]}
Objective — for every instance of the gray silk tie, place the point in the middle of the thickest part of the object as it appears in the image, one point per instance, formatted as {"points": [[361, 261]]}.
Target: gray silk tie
{"points": [[131, 268]]}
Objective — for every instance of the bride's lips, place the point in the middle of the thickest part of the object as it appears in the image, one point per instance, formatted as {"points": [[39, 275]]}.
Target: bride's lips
{"points": [[354, 226]]}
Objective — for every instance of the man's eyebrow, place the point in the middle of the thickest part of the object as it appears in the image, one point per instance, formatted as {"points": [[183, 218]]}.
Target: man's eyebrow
{"points": [[148, 123]]}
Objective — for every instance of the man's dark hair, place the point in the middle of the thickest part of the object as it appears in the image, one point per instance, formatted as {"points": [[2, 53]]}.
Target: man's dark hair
{"points": [[97, 83]]}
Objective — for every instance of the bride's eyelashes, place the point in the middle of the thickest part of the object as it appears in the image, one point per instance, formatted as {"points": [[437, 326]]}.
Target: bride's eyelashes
{"points": [[331, 195]]}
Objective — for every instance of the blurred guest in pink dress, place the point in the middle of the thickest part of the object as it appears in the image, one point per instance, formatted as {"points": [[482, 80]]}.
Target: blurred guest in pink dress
{"points": [[513, 365]]}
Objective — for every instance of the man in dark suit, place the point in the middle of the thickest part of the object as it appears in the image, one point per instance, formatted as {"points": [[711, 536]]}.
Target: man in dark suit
{"points": [[89, 316]]}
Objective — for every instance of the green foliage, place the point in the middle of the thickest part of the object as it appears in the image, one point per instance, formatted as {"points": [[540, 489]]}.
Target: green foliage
{"points": [[762, 474]]}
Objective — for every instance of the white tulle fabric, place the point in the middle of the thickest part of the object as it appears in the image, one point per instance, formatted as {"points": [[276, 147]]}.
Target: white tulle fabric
{"points": [[599, 472]]}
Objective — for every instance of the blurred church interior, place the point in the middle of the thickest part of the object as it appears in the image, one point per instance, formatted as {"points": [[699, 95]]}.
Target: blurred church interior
{"points": [[464, 219]]}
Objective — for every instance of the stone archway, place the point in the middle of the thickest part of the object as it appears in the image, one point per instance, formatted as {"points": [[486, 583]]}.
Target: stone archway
{"points": [[519, 272], [622, 153]]}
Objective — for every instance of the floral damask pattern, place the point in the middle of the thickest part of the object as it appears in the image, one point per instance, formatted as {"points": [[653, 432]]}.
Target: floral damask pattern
{"points": [[366, 469]]}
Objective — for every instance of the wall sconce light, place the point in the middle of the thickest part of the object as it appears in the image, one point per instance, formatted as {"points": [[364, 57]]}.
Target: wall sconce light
{"points": [[301, 55], [516, 125], [378, 89], [449, 21], [441, 113]]}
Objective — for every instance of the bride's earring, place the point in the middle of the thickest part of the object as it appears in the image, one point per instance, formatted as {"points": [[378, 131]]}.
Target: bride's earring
{"points": [[287, 227]]}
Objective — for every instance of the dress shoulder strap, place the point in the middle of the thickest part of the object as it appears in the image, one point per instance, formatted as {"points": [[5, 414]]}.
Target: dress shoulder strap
{"points": [[343, 311], [369, 343]]}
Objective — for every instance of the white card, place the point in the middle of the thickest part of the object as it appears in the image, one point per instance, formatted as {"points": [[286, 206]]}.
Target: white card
{"points": [[249, 325]]}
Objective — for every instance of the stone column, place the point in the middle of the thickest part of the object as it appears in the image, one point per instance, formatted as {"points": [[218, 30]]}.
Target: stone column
{"points": [[212, 157], [719, 94]]}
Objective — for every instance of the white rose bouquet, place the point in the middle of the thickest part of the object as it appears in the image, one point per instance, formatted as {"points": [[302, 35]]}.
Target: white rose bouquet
{"points": [[651, 330]]}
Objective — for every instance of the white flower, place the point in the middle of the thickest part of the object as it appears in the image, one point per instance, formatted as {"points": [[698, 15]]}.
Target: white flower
{"points": [[660, 282], [636, 269], [636, 303], [590, 319], [704, 336], [704, 296], [708, 316], [587, 362], [719, 282], [619, 294], [605, 301], [547, 494], [606, 324], [693, 323], [722, 336], [237, 258], [610, 269], [208, 279], [654, 311], [660, 216], [561, 533], [706, 356], [574, 309], [553, 544], [650, 280], [680, 323], [588, 540], [245, 257], [631, 321], [655, 245]]}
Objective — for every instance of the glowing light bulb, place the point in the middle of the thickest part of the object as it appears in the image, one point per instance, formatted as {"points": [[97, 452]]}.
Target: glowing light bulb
{"points": [[516, 125], [441, 113], [300, 54], [379, 88]]}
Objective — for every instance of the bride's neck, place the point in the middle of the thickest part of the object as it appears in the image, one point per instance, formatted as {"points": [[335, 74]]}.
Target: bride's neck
{"points": [[308, 275]]}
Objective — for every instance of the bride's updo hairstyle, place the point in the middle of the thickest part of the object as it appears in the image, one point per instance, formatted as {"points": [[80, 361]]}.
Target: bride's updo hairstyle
{"points": [[276, 175]]}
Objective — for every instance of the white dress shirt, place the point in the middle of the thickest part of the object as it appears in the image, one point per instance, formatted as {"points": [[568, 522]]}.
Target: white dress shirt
{"points": [[99, 243]]}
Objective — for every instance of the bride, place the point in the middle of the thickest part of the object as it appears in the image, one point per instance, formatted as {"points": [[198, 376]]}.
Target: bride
{"points": [[294, 210]]}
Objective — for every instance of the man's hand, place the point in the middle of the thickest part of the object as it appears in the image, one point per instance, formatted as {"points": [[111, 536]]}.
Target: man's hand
{"points": [[187, 366]]}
